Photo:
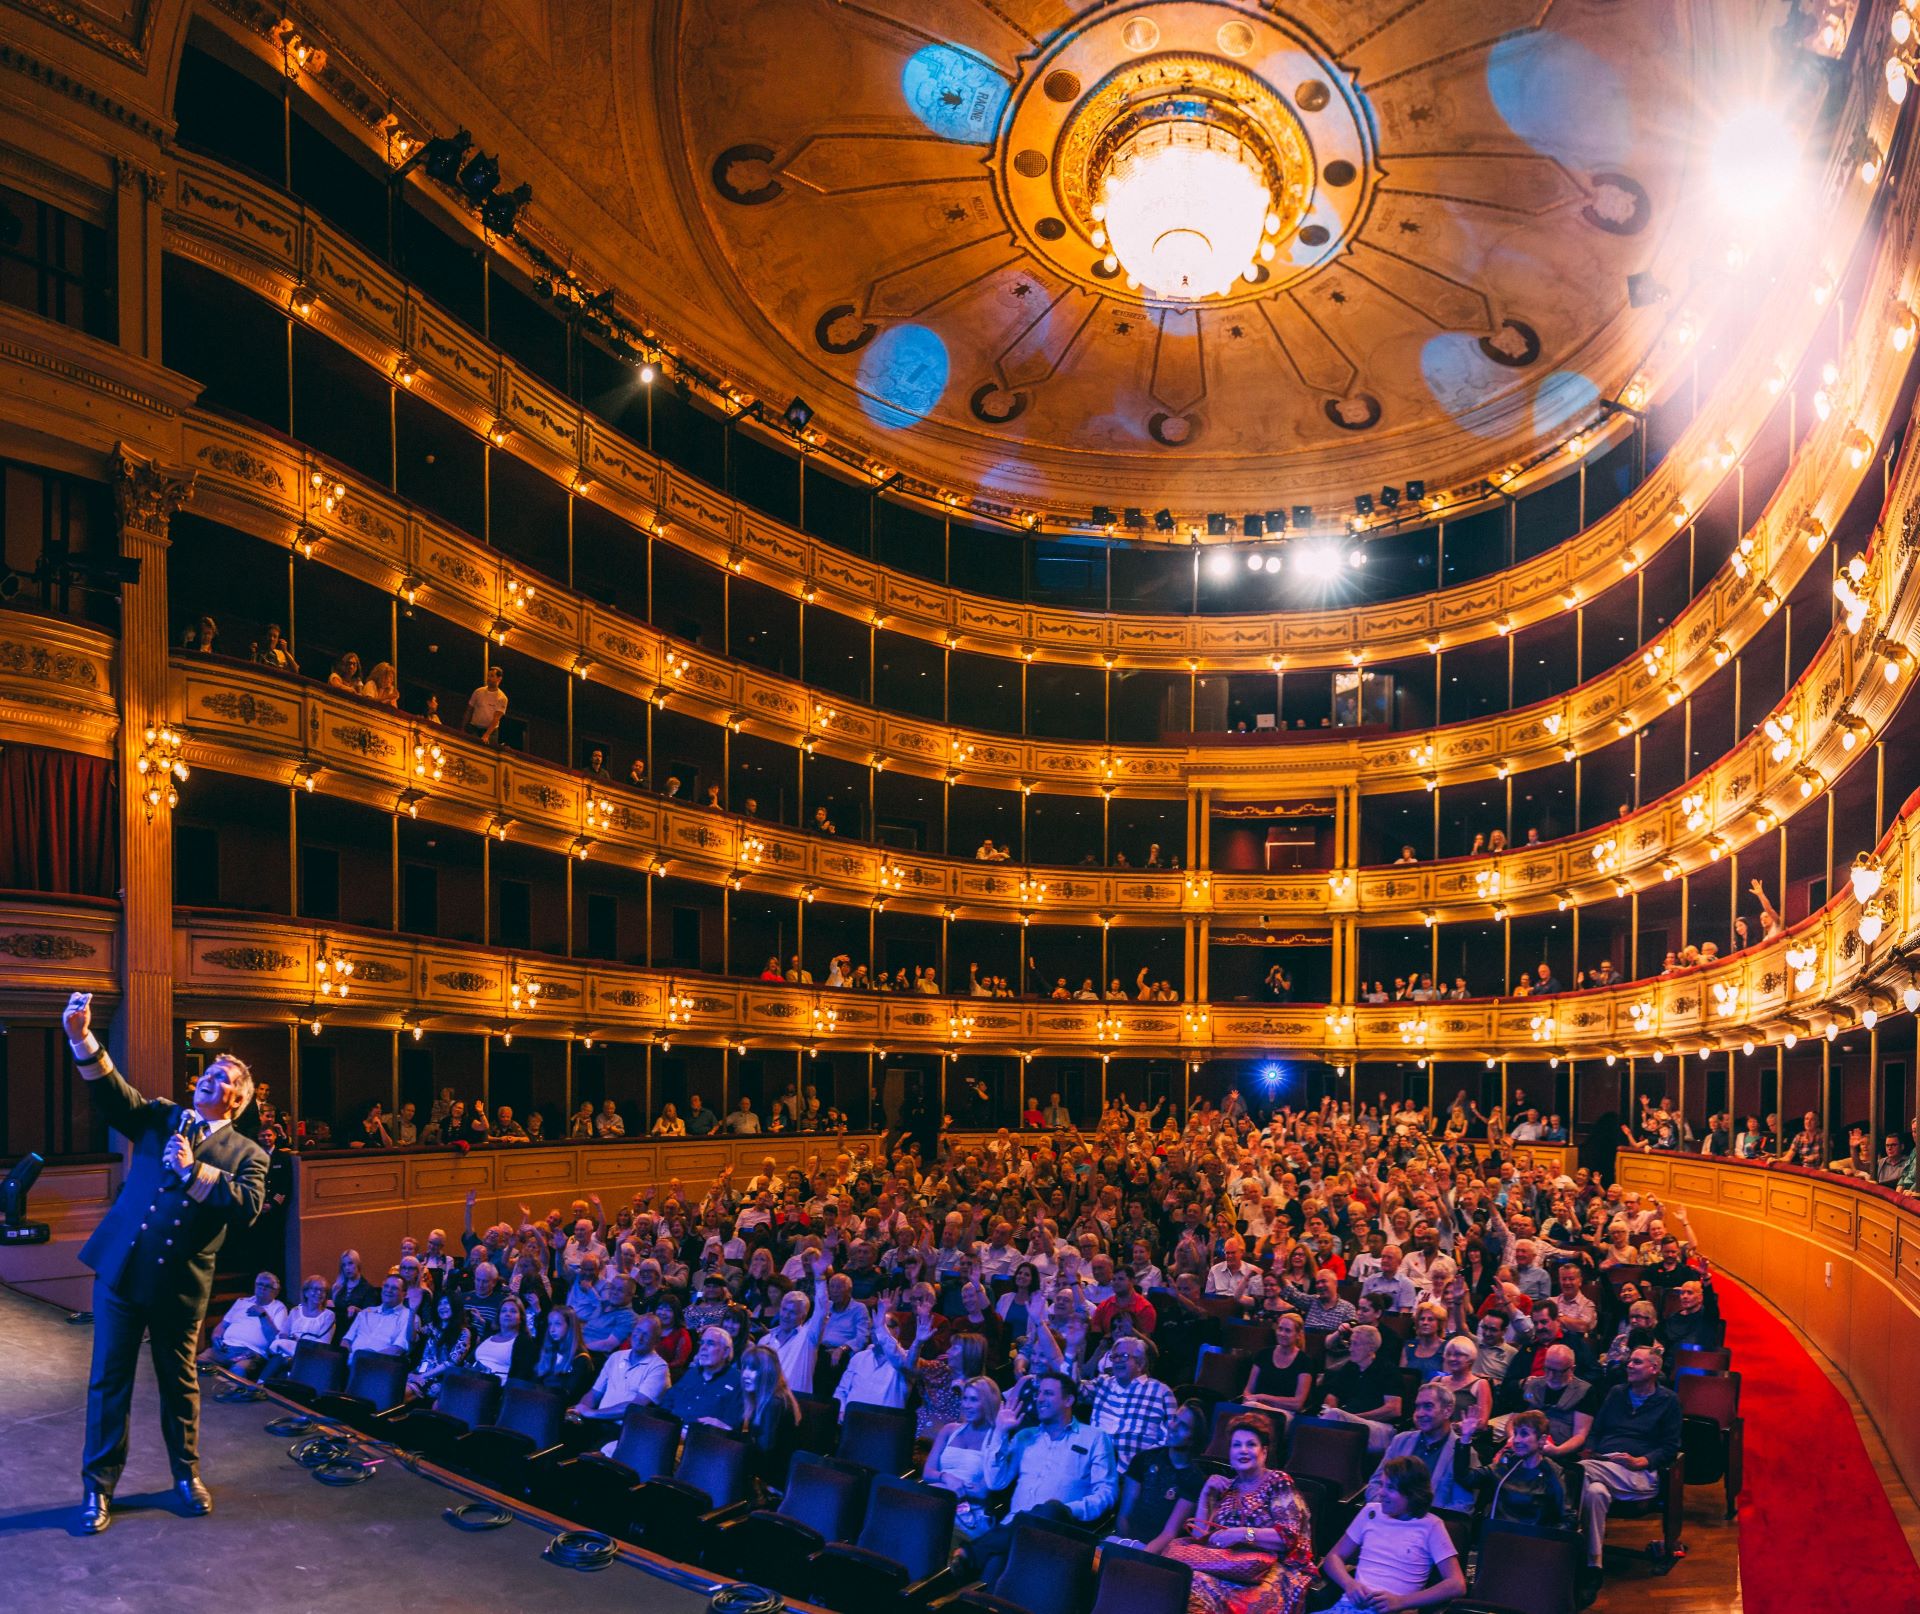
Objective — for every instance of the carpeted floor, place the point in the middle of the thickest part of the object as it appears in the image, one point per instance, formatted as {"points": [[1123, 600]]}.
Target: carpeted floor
{"points": [[1817, 1535], [278, 1541]]}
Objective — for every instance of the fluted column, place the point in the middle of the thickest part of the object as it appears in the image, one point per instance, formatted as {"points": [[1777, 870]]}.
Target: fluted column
{"points": [[138, 201], [145, 498]]}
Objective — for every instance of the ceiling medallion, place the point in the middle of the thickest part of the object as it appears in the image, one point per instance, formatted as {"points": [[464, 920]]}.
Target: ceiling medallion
{"points": [[1184, 173]]}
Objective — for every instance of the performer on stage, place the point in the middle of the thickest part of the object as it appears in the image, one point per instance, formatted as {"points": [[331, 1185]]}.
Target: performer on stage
{"points": [[190, 1175]]}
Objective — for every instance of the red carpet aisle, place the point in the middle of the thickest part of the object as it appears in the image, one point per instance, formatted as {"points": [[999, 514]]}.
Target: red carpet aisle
{"points": [[1817, 1535]]}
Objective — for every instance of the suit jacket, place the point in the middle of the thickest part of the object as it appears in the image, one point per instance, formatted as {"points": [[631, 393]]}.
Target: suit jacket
{"points": [[157, 1243]]}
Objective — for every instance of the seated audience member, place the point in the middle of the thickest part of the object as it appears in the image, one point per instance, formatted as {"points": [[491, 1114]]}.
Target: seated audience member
{"points": [[511, 1350], [243, 1339], [1396, 1554], [1133, 1407], [1560, 1396], [312, 1319], [1522, 1485], [1635, 1435], [1433, 1443], [386, 1329], [962, 1454], [709, 1391], [1160, 1487], [1364, 1389], [1249, 1541], [1283, 1380], [1058, 1468], [635, 1373], [563, 1364], [447, 1343]]}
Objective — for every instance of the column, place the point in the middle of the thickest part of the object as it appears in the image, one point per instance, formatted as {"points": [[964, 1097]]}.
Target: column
{"points": [[145, 498]]}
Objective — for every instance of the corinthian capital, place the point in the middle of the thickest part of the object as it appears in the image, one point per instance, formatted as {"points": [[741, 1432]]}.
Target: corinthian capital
{"points": [[145, 496]]}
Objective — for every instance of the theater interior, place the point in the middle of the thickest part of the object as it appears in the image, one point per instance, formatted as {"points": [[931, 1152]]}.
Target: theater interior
{"points": [[1156, 699]]}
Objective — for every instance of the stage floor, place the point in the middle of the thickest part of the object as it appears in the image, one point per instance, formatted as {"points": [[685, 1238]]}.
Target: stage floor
{"points": [[278, 1540]]}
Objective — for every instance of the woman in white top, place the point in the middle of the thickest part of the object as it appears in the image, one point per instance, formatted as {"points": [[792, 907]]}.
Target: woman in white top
{"points": [[962, 1456], [669, 1125], [311, 1319], [1396, 1546], [510, 1351]]}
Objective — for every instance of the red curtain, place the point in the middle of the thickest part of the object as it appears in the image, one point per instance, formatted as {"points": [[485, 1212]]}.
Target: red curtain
{"points": [[58, 823]]}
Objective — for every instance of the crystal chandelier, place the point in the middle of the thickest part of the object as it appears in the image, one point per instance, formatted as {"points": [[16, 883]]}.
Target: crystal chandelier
{"points": [[1184, 209]]}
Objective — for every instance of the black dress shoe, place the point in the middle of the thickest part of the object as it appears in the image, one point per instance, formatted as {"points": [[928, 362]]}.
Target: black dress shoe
{"points": [[96, 1510], [196, 1501]]}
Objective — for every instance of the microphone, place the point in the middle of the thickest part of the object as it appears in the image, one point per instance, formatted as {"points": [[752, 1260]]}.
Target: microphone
{"points": [[182, 1123]]}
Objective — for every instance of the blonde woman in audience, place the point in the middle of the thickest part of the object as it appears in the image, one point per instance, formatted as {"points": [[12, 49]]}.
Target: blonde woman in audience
{"points": [[962, 1455]]}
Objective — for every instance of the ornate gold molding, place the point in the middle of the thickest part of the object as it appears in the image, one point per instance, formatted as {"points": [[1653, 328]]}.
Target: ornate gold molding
{"points": [[217, 215], [145, 496]]}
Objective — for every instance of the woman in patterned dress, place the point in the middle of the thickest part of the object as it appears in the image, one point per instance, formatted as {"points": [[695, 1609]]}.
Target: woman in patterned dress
{"points": [[1250, 1541]]}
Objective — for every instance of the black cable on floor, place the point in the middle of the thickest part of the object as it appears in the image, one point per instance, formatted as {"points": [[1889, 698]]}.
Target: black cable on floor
{"points": [[581, 1549], [295, 1423], [346, 1471], [740, 1597], [478, 1516], [317, 1449]]}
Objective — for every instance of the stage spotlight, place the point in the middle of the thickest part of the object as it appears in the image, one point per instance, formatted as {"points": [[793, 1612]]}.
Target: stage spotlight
{"points": [[479, 177], [798, 415], [1134, 518], [1216, 524], [1389, 498], [1220, 563], [501, 211], [1276, 521], [1273, 561], [1356, 557], [1163, 521], [1254, 526], [1416, 490], [1255, 560], [1102, 515], [442, 157], [1315, 560], [13, 1203], [1363, 504], [1302, 517]]}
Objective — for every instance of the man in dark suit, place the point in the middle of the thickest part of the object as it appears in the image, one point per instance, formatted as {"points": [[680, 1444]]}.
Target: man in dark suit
{"points": [[190, 1175]]}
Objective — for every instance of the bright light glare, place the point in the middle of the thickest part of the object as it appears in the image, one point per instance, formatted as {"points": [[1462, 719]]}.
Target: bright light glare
{"points": [[1317, 561], [1219, 564], [1253, 560], [1756, 164], [1273, 563]]}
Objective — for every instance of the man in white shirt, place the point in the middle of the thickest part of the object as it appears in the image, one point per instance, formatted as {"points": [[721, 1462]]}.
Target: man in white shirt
{"points": [[877, 1376], [385, 1329], [638, 1373], [486, 706], [1389, 1283], [998, 1257], [1233, 1277], [243, 1341], [795, 1337]]}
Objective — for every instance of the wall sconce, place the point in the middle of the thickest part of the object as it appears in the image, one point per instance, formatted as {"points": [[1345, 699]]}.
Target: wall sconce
{"points": [[161, 768]]}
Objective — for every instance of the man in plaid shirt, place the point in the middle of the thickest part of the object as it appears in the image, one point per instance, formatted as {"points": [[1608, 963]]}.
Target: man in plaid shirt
{"points": [[1132, 1408]]}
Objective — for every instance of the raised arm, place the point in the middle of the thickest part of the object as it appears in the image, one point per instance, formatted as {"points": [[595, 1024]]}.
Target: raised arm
{"points": [[128, 1112]]}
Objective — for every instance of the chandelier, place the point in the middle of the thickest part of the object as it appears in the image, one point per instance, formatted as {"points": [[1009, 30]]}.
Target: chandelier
{"points": [[1184, 207]]}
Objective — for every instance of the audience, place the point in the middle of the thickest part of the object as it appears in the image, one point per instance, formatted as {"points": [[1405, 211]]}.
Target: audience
{"points": [[1034, 1298]]}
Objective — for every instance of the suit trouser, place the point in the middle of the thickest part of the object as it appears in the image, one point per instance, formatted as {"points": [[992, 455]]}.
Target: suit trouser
{"points": [[118, 1325]]}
